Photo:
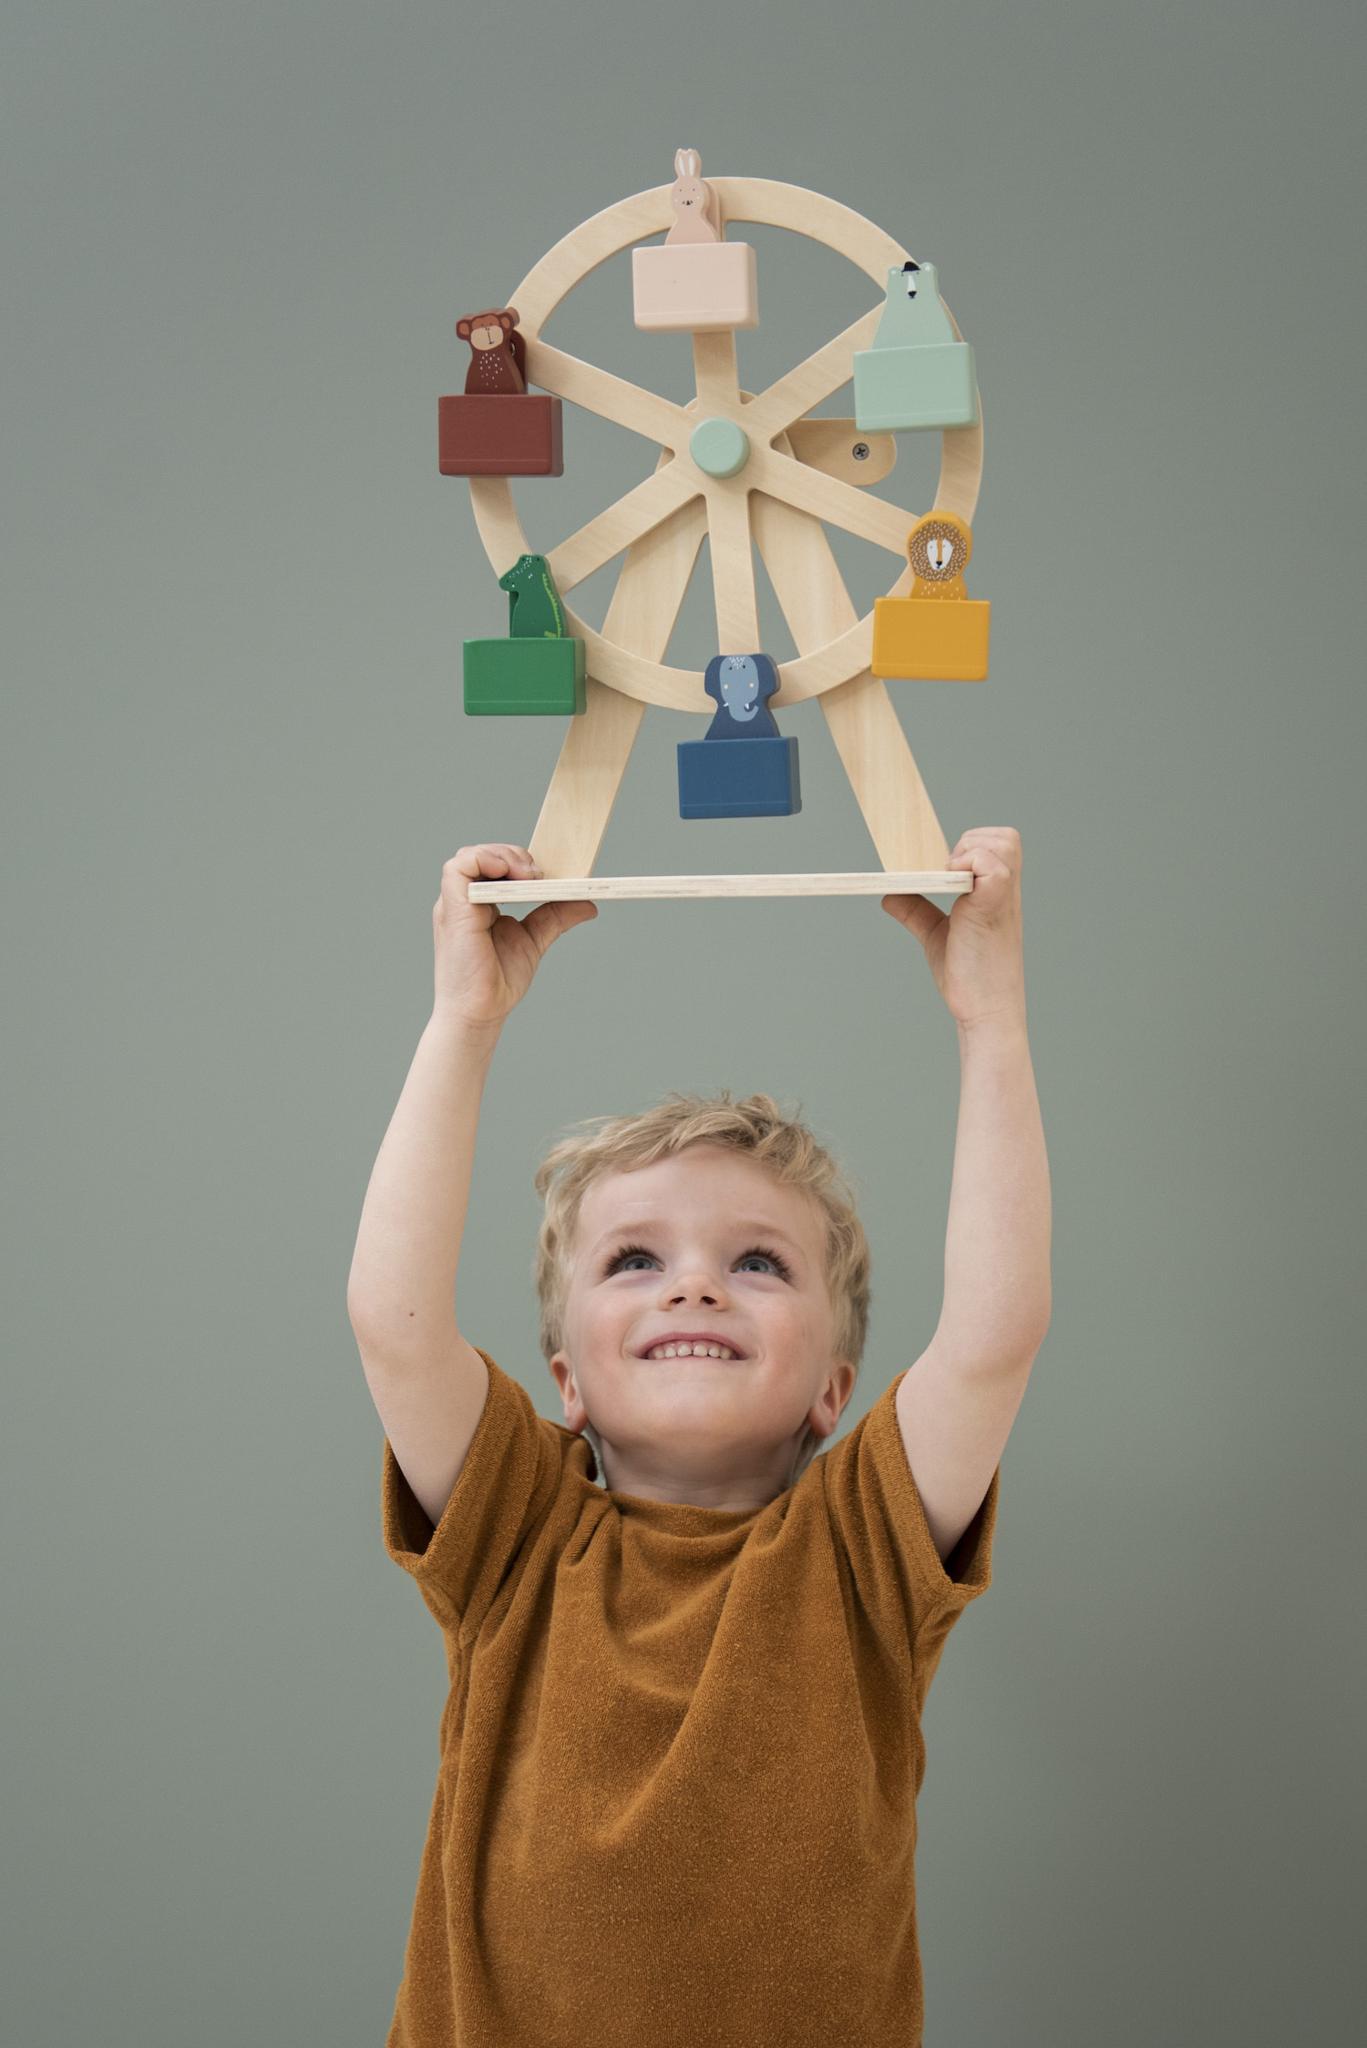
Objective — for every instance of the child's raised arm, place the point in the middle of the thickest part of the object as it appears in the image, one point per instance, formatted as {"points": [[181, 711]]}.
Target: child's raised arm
{"points": [[401, 1292], [998, 1290]]}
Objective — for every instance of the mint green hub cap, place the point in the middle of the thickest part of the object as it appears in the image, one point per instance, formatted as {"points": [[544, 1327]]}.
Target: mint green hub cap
{"points": [[719, 447]]}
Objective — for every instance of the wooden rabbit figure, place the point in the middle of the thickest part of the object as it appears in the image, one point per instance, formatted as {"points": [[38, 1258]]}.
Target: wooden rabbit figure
{"points": [[694, 203]]}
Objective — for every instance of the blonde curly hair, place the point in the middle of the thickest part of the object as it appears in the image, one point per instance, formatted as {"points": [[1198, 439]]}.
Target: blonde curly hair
{"points": [[754, 1125]]}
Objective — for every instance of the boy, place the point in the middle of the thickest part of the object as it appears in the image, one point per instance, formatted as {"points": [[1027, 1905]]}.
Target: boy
{"points": [[681, 1748]]}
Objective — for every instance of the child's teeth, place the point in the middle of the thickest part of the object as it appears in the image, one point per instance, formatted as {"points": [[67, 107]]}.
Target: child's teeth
{"points": [[692, 1351]]}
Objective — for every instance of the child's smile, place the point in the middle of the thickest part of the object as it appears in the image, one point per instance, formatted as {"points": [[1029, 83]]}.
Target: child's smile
{"points": [[692, 1347]]}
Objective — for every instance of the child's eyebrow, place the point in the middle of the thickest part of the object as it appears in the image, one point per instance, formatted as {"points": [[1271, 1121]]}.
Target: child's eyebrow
{"points": [[645, 1226], [753, 1229]]}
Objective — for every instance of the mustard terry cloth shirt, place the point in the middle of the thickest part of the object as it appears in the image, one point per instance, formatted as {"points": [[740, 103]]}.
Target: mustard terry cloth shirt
{"points": [[681, 1748]]}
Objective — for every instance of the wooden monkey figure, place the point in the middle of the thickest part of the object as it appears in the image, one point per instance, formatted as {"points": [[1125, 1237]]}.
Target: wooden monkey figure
{"points": [[498, 358]]}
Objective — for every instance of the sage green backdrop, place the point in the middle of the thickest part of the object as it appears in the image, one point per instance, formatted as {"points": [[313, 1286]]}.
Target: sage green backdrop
{"points": [[236, 242]]}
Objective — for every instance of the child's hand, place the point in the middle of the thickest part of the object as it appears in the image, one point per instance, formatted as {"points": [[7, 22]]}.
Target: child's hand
{"points": [[485, 961], [975, 950]]}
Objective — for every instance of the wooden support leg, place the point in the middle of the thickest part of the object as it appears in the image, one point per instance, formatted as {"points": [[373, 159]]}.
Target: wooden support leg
{"points": [[883, 774], [584, 786], [862, 718], [645, 603]]}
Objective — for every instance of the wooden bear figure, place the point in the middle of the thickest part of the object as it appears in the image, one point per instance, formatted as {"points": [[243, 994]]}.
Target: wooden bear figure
{"points": [[743, 767]]}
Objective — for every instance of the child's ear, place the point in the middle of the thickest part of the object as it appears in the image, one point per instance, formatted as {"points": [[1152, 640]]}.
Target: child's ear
{"points": [[560, 1366], [846, 1375]]}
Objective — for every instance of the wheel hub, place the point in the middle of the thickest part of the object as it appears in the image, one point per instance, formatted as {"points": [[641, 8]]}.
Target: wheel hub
{"points": [[719, 447]]}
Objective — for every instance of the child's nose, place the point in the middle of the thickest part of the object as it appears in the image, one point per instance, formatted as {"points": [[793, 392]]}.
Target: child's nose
{"points": [[706, 1289]]}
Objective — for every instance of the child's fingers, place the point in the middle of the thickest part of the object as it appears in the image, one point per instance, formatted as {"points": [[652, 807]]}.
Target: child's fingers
{"points": [[512, 857], [548, 921], [980, 858], [1001, 842], [491, 860]]}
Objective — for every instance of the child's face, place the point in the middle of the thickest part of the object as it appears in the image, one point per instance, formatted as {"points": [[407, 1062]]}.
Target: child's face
{"points": [[708, 1249]]}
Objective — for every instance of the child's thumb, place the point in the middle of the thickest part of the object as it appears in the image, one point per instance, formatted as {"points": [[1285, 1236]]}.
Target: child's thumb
{"points": [[917, 913], [545, 924]]}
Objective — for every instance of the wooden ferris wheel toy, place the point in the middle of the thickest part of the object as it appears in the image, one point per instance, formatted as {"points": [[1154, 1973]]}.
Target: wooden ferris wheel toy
{"points": [[745, 469]]}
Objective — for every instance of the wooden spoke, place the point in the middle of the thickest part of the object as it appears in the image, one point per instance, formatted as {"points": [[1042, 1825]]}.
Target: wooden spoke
{"points": [[624, 522], [780, 475], [612, 398], [799, 389], [715, 373], [733, 571]]}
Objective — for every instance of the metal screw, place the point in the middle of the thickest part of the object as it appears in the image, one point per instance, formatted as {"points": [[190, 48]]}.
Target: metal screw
{"points": [[861, 451]]}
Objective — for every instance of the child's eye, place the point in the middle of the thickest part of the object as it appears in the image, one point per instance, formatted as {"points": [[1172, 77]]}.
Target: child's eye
{"points": [[747, 1263], [632, 1258]]}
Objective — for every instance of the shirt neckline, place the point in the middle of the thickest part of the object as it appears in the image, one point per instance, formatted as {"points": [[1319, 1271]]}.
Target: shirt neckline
{"points": [[684, 1510]]}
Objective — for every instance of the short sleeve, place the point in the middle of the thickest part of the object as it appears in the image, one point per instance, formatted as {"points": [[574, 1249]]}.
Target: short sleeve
{"points": [[511, 1477], [880, 1527]]}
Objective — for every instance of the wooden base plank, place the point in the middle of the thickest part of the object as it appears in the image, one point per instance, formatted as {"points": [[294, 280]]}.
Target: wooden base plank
{"points": [[621, 888]]}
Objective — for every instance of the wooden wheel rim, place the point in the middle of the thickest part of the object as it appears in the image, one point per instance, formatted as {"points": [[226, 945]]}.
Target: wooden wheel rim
{"points": [[764, 417]]}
